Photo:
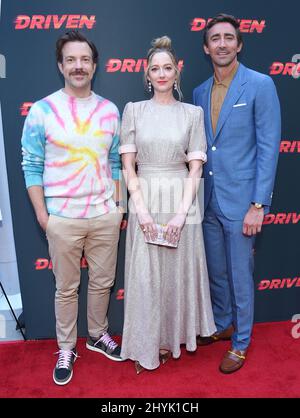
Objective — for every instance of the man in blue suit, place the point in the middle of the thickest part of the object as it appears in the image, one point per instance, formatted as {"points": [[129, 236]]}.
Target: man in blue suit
{"points": [[242, 119]]}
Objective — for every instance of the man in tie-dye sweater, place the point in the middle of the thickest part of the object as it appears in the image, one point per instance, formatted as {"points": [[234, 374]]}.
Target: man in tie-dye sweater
{"points": [[71, 165]]}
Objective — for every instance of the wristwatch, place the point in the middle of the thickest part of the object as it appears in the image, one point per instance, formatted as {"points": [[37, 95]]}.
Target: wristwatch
{"points": [[257, 205]]}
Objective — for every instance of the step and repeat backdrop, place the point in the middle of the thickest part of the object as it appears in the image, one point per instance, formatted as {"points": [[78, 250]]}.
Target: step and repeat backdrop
{"points": [[122, 31]]}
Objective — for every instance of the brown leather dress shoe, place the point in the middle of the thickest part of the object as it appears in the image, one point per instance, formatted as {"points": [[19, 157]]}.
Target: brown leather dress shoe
{"points": [[233, 361], [218, 336]]}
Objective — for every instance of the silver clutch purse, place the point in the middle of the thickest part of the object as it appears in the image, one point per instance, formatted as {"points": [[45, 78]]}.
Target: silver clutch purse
{"points": [[161, 237]]}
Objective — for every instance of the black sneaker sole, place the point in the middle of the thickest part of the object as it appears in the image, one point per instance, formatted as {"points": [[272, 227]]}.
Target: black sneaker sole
{"points": [[63, 382], [98, 350]]}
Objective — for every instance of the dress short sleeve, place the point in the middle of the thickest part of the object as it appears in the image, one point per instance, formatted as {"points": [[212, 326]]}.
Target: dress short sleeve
{"points": [[127, 136], [197, 141]]}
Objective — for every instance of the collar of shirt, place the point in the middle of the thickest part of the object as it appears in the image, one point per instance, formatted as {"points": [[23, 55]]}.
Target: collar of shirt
{"points": [[226, 82]]}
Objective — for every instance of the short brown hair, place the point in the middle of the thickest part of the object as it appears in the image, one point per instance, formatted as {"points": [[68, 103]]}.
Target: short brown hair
{"points": [[74, 36], [220, 18]]}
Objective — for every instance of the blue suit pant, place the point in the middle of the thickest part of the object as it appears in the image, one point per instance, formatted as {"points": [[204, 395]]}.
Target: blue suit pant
{"points": [[230, 266]]}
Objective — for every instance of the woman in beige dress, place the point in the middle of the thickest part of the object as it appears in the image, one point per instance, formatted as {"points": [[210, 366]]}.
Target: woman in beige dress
{"points": [[167, 298]]}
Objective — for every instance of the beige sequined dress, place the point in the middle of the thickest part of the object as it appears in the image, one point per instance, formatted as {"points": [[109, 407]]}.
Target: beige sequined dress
{"points": [[167, 298]]}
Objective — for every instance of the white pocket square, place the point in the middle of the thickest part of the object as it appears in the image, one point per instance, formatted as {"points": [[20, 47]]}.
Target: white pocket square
{"points": [[240, 104]]}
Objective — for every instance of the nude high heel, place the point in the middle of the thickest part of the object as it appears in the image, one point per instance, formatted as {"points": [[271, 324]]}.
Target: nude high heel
{"points": [[164, 356], [138, 368]]}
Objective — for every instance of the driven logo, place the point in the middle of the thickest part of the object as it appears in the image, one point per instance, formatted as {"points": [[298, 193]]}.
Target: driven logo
{"points": [[285, 68], [130, 65], [54, 22], [120, 294], [123, 225], [290, 147], [25, 107], [246, 25], [44, 263], [286, 283], [281, 218]]}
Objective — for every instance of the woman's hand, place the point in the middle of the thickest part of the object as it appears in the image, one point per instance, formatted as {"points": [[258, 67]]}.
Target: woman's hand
{"points": [[174, 228], [147, 225]]}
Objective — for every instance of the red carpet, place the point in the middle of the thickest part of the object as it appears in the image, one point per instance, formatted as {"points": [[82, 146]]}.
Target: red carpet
{"points": [[272, 370]]}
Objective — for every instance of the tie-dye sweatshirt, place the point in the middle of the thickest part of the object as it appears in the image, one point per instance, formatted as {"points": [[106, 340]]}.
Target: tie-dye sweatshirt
{"points": [[70, 148]]}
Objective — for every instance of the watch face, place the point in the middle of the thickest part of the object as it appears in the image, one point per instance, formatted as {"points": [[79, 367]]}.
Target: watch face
{"points": [[258, 205]]}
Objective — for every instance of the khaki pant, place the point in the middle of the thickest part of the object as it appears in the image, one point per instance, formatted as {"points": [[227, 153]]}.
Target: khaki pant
{"points": [[68, 239]]}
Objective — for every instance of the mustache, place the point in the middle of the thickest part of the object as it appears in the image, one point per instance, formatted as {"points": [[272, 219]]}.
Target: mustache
{"points": [[78, 72]]}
